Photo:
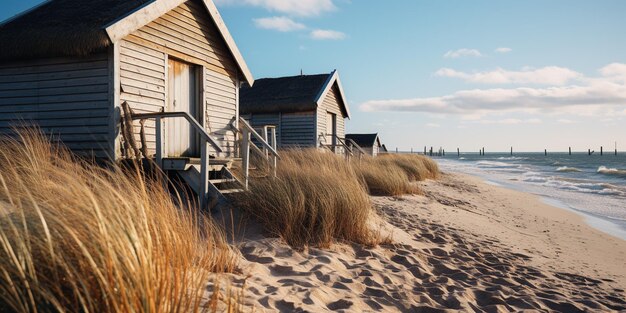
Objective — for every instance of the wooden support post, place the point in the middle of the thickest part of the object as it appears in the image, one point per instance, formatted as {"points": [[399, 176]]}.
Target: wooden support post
{"points": [[425, 150], [511, 151], [601, 150], [570, 150], [159, 141], [546, 152], [274, 157], [245, 156], [443, 151], [589, 151], [458, 152], [264, 136], [411, 150], [204, 175], [483, 151], [396, 149], [142, 136], [431, 151]]}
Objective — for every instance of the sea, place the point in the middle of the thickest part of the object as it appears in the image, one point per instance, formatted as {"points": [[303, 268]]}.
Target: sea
{"points": [[592, 186]]}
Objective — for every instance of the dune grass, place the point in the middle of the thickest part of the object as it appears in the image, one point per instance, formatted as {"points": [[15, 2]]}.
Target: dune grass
{"points": [[75, 237], [392, 174], [316, 199]]}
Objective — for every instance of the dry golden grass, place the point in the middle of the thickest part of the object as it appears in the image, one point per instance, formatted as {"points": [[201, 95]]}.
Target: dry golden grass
{"points": [[392, 174], [75, 237], [383, 178], [316, 199]]}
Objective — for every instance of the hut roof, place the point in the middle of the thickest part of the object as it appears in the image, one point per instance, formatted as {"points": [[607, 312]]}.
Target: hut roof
{"points": [[364, 140], [67, 28], [289, 94]]}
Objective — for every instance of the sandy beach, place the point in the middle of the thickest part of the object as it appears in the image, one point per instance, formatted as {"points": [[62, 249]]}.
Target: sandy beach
{"points": [[464, 245]]}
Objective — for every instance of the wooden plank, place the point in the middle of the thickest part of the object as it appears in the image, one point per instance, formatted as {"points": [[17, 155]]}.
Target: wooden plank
{"points": [[39, 92], [143, 92], [142, 85], [142, 78], [59, 75], [140, 70], [103, 112], [143, 100], [42, 107], [146, 51], [55, 83], [141, 63], [53, 67], [55, 99]]}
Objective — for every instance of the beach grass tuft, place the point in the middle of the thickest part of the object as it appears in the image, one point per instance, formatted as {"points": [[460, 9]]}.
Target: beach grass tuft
{"points": [[76, 237], [316, 199]]}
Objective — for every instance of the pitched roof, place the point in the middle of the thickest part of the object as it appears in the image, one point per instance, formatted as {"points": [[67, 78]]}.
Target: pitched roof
{"points": [[62, 28], [364, 140], [289, 94]]}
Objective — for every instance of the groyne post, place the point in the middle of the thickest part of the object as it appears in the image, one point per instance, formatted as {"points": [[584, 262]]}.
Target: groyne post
{"points": [[444, 152], [546, 152], [570, 150], [458, 152], [589, 151], [601, 150]]}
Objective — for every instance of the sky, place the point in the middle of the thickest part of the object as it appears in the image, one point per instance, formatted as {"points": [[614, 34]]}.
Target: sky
{"points": [[530, 74]]}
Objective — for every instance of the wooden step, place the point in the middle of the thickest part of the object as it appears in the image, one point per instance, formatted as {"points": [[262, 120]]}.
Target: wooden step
{"points": [[223, 181], [231, 191]]}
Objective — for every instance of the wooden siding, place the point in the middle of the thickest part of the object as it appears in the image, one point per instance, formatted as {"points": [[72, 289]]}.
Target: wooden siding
{"points": [[189, 34], [66, 98], [292, 129], [331, 103], [298, 130]]}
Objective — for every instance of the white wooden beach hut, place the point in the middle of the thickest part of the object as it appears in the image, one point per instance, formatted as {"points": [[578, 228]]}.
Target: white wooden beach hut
{"points": [[307, 110], [71, 67], [370, 143]]}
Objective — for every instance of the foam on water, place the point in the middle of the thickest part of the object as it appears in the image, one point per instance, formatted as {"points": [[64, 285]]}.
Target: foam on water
{"points": [[611, 171], [593, 185]]}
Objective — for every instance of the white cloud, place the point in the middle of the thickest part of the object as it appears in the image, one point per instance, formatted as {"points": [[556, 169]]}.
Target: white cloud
{"points": [[599, 96], [503, 50], [279, 23], [326, 34], [290, 7], [433, 125], [454, 54], [550, 75], [510, 121]]}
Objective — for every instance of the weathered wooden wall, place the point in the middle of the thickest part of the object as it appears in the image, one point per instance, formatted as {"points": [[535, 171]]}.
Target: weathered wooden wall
{"points": [[66, 98], [186, 33], [332, 104], [292, 129]]}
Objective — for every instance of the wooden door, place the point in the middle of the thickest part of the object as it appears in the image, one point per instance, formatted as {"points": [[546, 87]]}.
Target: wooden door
{"points": [[331, 129], [180, 137]]}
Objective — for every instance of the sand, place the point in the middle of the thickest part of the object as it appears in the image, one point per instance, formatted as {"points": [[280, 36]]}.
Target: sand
{"points": [[462, 246]]}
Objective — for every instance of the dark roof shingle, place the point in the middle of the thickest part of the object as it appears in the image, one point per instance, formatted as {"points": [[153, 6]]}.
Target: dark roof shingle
{"points": [[63, 28], [284, 94], [363, 140]]}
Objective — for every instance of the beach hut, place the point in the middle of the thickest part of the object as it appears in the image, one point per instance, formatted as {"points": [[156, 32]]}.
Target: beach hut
{"points": [[307, 110], [370, 143], [117, 79]]}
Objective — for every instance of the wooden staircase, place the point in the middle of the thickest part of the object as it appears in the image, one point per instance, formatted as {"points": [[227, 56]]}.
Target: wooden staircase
{"points": [[211, 178], [221, 180]]}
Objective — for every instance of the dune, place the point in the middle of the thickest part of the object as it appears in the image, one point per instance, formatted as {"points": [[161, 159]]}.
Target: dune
{"points": [[462, 246]]}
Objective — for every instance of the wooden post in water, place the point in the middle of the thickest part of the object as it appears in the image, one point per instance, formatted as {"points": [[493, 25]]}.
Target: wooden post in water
{"points": [[444, 152], [511, 151], [431, 151], [589, 151], [483, 151], [546, 152], [411, 150], [396, 149], [570, 150], [458, 152], [601, 150], [424, 150]]}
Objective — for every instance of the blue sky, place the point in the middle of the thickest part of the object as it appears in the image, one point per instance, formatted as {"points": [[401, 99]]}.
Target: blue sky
{"points": [[534, 74]]}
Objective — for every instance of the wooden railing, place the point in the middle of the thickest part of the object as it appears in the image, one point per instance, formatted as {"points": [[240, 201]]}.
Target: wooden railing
{"points": [[268, 150], [206, 140], [351, 147]]}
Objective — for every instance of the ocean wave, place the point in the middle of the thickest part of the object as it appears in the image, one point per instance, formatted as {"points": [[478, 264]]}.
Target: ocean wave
{"points": [[512, 158], [495, 164], [566, 169], [611, 171]]}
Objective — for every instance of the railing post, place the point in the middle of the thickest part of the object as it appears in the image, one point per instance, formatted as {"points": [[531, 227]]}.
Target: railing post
{"points": [[204, 174], [159, 142], [265, 138], [274, 158], [245, 156]]}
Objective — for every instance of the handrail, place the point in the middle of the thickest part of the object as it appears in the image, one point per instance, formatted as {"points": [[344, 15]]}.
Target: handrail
{"points": [[258, 137], [342, 142], [188, 117], [354, 144]]}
